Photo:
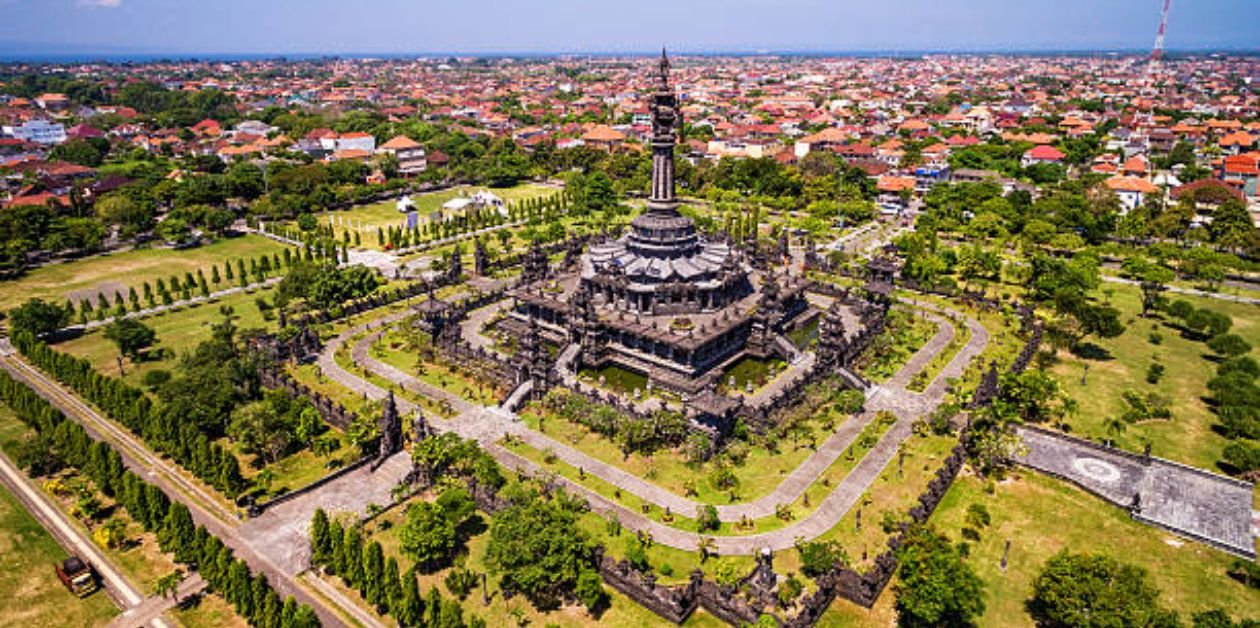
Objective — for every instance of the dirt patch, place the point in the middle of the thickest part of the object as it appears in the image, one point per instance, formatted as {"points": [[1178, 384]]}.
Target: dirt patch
{"points": [[108, 288]]}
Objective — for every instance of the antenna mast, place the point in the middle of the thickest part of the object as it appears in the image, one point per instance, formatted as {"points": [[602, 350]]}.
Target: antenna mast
{"points": [[1157, 54]]}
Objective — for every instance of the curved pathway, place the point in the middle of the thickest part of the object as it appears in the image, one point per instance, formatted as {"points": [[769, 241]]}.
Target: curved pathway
{"points": [[490, 425]]}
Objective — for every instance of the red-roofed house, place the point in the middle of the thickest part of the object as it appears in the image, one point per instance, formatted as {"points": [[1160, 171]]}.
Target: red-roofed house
{"points": [[1131, 190], [410, 154], [1243, 171], [1042, 155]]}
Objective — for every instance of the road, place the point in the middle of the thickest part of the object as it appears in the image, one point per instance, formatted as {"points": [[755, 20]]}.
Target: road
{"points": [[120, 590], [205, 511], [1190, 291]]}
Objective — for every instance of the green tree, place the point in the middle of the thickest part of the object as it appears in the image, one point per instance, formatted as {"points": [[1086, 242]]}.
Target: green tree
{"points": [[131, 217], [935, 586], [590, 592], [1232, 226], [321, 544], [819, 557], [130, 336], [1229, 345], [1088, 590], [538, 550], [38, 317], [428, 536], [411, 612]]}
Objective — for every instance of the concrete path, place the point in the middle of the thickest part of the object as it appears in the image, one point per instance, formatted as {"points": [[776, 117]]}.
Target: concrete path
{"points": [[1189, 291], [281, 531], [489, 427], [152, 608]]}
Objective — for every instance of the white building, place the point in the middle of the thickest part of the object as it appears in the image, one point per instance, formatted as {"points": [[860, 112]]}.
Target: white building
{"points": [[356, 141], [38, 131]]}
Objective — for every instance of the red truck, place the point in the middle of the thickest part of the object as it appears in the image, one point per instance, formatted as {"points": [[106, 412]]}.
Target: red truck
{"points": [[78, 576]]}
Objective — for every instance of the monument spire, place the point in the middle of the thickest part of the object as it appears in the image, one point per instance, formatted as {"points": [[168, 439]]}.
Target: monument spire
{"points": [[665, 121]]}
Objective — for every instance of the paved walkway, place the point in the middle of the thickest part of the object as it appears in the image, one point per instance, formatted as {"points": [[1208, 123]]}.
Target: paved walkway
{"points": [[490, 426], [1190, 291], [152, 608], [281, 531], [158, 309], [1191, 502]]}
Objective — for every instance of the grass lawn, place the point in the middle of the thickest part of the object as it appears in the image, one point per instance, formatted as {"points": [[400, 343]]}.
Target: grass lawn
{"points": [[921, 380], [385, 213], [32, 594], [208, 611], [749, 370], [122, 270], [802, 506], [616, 378], [1041, 516], [889, 494], [392, 349], [177, 332], [903, 336], [295, 470], [761, 471], [1188, 437]]}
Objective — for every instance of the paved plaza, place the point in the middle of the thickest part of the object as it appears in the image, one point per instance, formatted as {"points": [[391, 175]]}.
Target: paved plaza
{"points": [[1190, 502]]}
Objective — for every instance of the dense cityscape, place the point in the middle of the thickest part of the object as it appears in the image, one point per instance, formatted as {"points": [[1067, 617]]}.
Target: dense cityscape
{"points": [[939, 339]]}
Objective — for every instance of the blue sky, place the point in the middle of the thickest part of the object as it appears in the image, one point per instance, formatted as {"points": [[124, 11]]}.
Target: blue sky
{"points": [[400, 26]]}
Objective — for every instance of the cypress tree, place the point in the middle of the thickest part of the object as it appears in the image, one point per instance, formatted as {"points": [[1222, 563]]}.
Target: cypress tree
{"points": [[272, 610], [319, 537], [392, 587], [227, 270], [336, 549], [433, 608], [215, 277], [259, 591], [411, 612], [133, 297], [352, 551], [305, 618], [288, 257], [288, 613], [208, 561], [373, 588], [238, 590]]}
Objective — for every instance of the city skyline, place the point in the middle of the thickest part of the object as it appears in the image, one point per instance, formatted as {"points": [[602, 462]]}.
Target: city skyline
{"points": [[284, 27]]}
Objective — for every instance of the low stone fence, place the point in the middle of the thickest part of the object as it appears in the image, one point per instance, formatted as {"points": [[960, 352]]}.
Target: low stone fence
{"points": [[332, 412], [864, 588], [674, 604], [298, 492]]}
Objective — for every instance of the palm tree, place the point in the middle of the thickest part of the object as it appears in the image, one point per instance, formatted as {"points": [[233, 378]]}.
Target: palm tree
{"points": [[707, 547], [1115, 427], [168, 585]]}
